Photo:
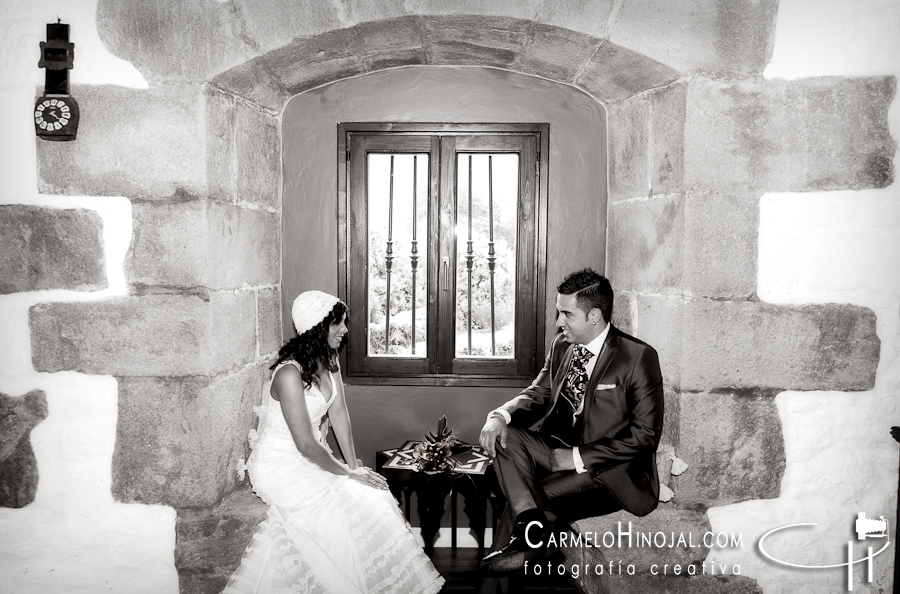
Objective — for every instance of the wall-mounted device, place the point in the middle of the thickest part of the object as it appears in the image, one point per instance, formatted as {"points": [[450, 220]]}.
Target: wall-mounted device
{"points": [[56, 113]]}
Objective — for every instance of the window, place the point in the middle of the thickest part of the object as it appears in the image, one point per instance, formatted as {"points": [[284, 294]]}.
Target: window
{"points": [[442, 243]]}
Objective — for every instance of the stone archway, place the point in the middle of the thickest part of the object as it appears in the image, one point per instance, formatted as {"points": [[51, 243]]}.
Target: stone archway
{"points": [[606, 71], [199, 156]]}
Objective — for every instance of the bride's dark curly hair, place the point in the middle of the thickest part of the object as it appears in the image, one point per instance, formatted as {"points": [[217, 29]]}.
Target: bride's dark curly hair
{"points": [[311, 348]]}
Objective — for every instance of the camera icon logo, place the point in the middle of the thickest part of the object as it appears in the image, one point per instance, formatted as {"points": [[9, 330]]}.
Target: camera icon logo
{"points": [[869, 528]]}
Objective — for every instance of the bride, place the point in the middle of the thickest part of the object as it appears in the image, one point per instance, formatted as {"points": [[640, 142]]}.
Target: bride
{"points": [[332, 526]]}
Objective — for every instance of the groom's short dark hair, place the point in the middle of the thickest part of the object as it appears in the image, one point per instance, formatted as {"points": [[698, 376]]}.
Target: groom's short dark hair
{"points": [[591, 289]]}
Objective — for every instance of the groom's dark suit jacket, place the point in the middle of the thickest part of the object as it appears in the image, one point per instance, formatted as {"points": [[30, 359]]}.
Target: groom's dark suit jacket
{"points": [[622, 419]]}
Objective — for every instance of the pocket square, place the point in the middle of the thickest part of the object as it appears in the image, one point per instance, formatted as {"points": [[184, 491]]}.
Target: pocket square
{"points": [[605, 386]]}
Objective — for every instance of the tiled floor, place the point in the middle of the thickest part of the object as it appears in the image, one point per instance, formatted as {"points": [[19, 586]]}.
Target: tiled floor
{"points": [[461, 574]]}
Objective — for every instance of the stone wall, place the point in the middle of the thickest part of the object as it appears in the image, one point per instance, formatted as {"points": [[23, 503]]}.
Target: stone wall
{"points": [[18, 416], [50, 249], [690, 165], [191, 342], [144, 296], [174, 291]]}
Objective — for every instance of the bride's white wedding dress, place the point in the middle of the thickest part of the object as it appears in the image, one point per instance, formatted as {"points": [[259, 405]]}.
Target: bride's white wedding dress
{"points": [[324, 532]]}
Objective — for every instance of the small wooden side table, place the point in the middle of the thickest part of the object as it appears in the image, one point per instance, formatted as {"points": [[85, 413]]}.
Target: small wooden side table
{"points": [[476, 482]]}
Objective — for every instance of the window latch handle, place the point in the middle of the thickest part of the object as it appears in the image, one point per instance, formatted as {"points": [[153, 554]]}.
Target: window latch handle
{"points": [[445, 273]]}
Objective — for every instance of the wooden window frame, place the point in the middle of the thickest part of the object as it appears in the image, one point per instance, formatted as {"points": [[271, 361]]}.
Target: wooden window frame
{"points": [[442, 140]]}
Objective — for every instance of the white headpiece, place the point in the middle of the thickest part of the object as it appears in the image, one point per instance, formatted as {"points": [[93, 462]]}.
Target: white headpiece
{"points": [[310, 308]]}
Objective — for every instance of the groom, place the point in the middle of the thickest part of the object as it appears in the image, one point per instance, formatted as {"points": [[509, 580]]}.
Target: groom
{"points": [[581, 440]]}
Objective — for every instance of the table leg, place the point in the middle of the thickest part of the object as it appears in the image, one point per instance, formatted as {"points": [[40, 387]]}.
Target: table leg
{"points": [[431, 491], [475, 508], [453, 492], [407, 497]]}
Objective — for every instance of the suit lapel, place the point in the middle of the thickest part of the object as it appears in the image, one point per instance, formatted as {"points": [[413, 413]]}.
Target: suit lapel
{"points": [[610, 346], [607, 353], [561, 371]]}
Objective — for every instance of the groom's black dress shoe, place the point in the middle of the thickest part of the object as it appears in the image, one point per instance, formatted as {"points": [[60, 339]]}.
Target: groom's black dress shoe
{"points": [[514, 555]]}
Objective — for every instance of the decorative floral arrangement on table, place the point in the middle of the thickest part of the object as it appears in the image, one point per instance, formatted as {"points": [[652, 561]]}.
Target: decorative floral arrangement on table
{"points": [[435, 454]]}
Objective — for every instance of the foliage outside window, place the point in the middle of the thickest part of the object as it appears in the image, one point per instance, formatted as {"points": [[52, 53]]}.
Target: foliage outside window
{"points": [[445, 223]]}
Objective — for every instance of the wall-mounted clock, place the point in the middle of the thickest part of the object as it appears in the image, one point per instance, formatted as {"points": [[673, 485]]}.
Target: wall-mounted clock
{"points": [[56, 113], [56, 117]]}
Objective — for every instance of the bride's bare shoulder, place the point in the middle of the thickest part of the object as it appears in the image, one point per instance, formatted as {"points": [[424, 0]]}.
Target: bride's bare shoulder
{"points": [[287, 380]]}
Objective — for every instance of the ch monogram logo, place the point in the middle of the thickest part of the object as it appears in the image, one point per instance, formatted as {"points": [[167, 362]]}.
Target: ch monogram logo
{"points": [[865, 528]]}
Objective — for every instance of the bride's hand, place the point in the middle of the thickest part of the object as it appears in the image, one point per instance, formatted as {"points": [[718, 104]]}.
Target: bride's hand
{"points": [[369, 478]]}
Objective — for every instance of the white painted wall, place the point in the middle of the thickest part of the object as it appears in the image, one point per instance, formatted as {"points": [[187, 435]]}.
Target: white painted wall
{"points": [[74, 538], [814, 247], [830, 247]]}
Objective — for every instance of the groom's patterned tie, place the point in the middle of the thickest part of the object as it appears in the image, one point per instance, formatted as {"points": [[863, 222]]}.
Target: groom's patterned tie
{"points": [[577, 377]]}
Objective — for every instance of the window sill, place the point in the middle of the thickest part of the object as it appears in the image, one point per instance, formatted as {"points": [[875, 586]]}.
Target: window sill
{"points": [[467, 381]]}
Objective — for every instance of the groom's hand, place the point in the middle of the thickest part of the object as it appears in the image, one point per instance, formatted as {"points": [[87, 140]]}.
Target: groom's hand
{"points": [[494, 429]]}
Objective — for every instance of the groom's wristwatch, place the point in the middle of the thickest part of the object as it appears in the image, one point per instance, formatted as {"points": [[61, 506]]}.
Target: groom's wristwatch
{"points": [[496, 415]]}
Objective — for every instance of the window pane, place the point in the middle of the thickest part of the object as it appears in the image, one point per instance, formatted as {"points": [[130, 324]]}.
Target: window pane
{"points": [[397, 254], [486, 254]]}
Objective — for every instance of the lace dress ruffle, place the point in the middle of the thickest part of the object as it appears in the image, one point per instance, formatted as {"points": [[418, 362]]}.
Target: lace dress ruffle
{"points": [[323, 533]]}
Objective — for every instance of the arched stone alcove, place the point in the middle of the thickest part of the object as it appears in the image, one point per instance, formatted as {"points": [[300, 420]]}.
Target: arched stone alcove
{"points": [[694, 139]]}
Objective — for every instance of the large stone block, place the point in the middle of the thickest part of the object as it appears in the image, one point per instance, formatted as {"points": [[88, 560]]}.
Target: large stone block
{"points": [[720, 245], [556, 53], [307, 62], [629, 138], [646, 244], [268, 315], [667, 117], [847, 115], [151, 335], [364, 10], [810, 134], [49, 248], [258, 156], [310, 62], [665, 536], [198, 243], [244, 149], [660, 321], [253, 82], [624, 309], [209, 542], [734, 454], [475, 40], [131, 142], [272, 24], [671, 432], [733, 38], [173, 40], [178, 440], [749, 344], [18, 466], [702, 244], [591, 18], [391, 43], [615, 73], [725, 142], [220, 145]]}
